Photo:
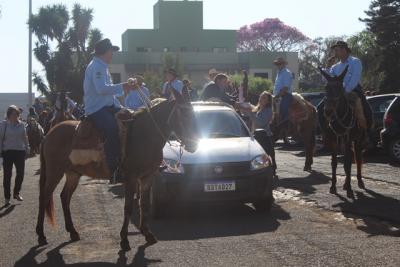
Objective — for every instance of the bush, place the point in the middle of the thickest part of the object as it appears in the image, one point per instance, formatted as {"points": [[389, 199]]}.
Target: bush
{"points": [[256, 84]]}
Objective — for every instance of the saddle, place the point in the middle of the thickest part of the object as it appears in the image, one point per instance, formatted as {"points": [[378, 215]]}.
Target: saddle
{"points": [[88, 141], [300, 110]]}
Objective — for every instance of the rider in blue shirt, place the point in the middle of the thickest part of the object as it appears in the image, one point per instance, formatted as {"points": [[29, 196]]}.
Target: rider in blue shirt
{"points": [[100, 99], [135, 99], [351, 82], [283, 87], [172, 83]]}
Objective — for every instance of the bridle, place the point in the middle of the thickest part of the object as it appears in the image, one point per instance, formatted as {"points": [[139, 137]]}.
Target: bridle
{"points": [[341, 120]]}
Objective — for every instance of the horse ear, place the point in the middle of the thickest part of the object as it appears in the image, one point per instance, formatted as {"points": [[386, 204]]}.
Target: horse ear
{"points": [[325, 74], [343, 74]]}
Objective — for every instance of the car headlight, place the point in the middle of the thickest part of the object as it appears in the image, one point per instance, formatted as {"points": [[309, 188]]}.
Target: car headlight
{"points": [[172, 166], [260, 162]]}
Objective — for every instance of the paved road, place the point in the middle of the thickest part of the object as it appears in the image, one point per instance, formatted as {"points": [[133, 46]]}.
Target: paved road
{"points": [[307, 226]]}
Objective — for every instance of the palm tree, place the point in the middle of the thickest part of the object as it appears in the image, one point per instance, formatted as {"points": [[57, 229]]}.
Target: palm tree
{"points": [[64, 65]]}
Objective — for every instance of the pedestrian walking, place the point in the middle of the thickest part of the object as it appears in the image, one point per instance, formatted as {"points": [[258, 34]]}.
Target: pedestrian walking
{"points": [[14, 147]]}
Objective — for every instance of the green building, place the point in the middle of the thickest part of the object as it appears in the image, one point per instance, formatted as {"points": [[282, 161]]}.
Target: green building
{"points": [[178, 31]]}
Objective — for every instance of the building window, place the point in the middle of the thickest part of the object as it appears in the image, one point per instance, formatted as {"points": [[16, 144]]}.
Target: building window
{"points": [[220, 50], [166, 49], [116, 77], [143, 49]]}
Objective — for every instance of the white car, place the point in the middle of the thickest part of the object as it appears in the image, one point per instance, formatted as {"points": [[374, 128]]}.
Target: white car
{"points": [[229, 164]]}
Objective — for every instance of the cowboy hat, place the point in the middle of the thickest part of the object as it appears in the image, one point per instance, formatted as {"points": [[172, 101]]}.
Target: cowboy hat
{"points": [[341, 44], [102, 46], [279, 61]]}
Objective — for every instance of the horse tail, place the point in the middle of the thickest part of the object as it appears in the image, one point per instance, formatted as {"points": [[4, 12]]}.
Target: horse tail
{"points": [[49, 209]]}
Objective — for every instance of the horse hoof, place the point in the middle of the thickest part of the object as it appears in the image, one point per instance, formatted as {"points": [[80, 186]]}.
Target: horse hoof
{"points": [[42, 241], [332, 190], [151, 239], [307, 169], [350, 194], [361, 184], [75, 236], [125, 245]]}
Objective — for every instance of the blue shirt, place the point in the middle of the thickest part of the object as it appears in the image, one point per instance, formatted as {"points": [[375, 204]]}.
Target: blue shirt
{"points": [[283, 79], [134, 100], [353, 75], [99, 91], [262, 120], [175, 84]]}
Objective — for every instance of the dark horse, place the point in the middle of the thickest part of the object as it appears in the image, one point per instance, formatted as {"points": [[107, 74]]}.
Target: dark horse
{"points": [[339, 121], [35, 135], [147, 134]]}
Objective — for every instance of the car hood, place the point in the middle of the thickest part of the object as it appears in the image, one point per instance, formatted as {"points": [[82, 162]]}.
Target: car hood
{"points": [[213, 150]]}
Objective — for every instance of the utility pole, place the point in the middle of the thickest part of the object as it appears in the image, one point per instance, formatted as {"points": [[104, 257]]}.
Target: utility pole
{"points": [[30, 100]]}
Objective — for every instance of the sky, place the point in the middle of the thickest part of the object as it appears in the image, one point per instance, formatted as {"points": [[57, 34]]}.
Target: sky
{"points": [[313, 17]]}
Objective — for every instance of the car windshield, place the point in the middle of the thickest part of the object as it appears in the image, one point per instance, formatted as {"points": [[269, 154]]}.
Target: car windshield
{"points": [[220, 124]]}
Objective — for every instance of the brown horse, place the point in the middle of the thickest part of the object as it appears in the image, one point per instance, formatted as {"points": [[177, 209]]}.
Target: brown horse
{"points": [[146, 136], [337, 120], [302, 119], [35, 135]]}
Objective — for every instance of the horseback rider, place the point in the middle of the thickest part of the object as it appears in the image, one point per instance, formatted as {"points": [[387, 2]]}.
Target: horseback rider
{"points": [[283, 88], [351, 83], [172, 83], [100, 100]]}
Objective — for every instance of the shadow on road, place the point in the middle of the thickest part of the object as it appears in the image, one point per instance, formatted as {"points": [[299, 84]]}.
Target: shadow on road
{"points": [[369, 207], [56, 259], [305, 184], [6, 209], [216, 221]]}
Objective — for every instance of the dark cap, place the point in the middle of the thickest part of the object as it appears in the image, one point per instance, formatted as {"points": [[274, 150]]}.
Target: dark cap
{"points": [[341, 44], [173, 72], [102, 46]]}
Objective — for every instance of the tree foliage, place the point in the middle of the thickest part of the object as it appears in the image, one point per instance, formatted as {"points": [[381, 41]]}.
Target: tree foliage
{"points": [[271, 34], [64, 45], [256, 84], [384, 23]]}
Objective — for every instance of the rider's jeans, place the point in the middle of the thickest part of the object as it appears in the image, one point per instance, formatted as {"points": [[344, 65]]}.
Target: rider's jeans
{"points": [[284, 108], [105, 121]]}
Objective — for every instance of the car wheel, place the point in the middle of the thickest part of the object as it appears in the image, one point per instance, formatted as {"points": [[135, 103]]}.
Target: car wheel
{"points": [[155, 205], [264, 204], [394, 149]]}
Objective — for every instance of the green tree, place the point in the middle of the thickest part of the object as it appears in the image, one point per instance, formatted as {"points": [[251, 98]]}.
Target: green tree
{"points": [[64, 46], [363, 46], [256, 84], [384, 22]]}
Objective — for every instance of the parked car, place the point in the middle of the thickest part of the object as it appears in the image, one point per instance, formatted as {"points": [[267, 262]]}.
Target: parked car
{"points": [[390, 135], [379, 105], [228, 166]]}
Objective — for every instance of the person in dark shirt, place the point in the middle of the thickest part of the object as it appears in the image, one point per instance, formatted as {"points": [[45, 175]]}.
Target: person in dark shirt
{"points": [[217, 90]]}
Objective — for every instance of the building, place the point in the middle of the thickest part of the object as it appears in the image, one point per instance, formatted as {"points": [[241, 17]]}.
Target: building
{"points": [[21, 100], [178, 30]]}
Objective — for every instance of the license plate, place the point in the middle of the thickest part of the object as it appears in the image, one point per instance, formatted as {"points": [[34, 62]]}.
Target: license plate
{"points": [[220, 186]]}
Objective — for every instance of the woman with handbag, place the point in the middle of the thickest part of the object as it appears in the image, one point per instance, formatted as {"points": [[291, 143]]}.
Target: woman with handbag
{"points": [[14, 147]]}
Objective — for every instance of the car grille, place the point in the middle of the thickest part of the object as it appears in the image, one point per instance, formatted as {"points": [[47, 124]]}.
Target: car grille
{"points": [[217, 170]]}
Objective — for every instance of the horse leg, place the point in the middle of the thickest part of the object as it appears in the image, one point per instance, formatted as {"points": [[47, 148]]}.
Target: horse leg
{"points": [[47, 188], [359, 160], [332, 190], [71, 183], [144, 204], [130, 185], [308, 137], [347, 169]]}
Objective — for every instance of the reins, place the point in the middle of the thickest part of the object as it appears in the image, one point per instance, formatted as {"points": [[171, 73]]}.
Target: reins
{"points": [[340, 120]]}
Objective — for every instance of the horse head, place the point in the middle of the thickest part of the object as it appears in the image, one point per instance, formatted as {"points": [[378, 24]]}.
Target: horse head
{"points": [[182, 122], [334, 91]]}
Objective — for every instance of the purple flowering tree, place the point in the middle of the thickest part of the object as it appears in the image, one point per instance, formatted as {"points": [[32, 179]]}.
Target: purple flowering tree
{"points": [[271, 34]]}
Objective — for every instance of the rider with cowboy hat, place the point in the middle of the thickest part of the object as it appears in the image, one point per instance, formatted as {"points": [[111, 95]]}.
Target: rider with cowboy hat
{"points": [[351, 82], [283, 87], [100, 99]]}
